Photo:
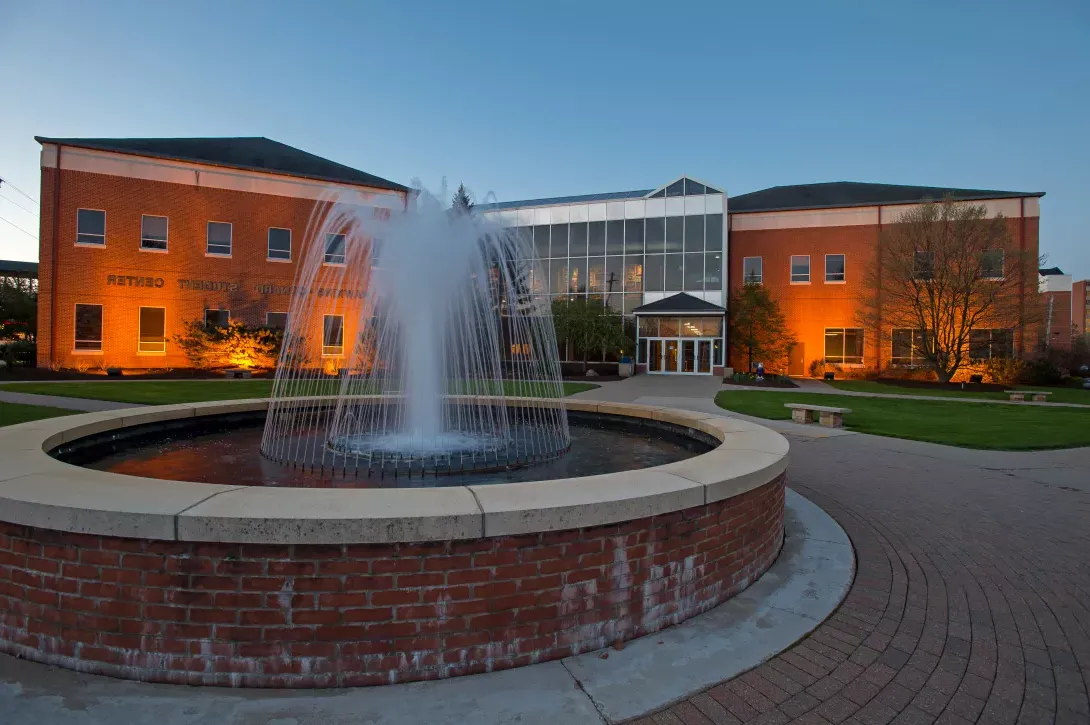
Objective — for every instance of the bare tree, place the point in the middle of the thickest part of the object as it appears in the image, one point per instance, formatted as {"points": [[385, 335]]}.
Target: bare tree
{"points": [[942, 270]]}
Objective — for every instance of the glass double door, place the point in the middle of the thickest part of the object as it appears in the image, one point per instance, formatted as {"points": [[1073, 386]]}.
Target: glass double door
{"points": [[679, 356]]}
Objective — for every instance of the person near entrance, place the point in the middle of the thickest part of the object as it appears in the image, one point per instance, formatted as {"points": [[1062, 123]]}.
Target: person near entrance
{"points": [[760, 371]]}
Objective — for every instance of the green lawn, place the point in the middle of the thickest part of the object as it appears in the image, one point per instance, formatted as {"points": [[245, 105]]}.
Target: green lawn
{"points": [[158, 392], [969, 425], [1059, 394], [12, 413]]}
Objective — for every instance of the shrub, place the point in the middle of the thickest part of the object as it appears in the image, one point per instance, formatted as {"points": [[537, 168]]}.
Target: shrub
{"points": [[19, 352], [1042, 371], [234, 345], [1005, 371]]}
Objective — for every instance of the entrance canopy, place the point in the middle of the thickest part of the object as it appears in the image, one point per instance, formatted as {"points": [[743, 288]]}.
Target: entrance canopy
{"points": [[680, 334], [681, 304]]}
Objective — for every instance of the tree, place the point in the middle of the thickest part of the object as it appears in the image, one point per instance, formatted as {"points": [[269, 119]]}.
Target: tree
{"points": [[757, 327], [586, 324], [209, 346], [462, 203], [18, 310], [941, 271]]}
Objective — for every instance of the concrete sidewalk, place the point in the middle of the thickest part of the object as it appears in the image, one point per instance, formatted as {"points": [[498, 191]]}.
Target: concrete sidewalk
{"points": [[86, 405], [816, 386]]}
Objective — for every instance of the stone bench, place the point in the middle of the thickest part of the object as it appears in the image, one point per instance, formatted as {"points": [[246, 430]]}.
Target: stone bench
{"points": [[1037, 396], [829, 417], [237, 373]]}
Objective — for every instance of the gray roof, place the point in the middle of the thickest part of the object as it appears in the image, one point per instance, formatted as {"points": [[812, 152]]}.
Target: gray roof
{"points": [[556, 200], [14, 268], [1049, 271], [679, 304], [853, 193], [255, 153]]}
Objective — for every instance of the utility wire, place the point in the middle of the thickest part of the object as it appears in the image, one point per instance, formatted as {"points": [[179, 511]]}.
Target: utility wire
{"points": [[24, 231], [5, 181], [28, 211]]}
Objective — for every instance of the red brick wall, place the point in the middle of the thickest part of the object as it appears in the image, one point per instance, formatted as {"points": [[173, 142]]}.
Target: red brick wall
{"points": [[83, 271], [1080, 310], [1056, 316], [812, 308], [324, 616]]}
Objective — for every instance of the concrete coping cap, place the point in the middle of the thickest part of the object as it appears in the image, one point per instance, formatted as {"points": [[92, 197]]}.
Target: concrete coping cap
{"points": [[39, 490]]}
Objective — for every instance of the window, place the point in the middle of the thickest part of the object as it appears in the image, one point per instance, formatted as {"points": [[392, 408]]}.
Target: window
{"points": [[675, 233], [922, 265], [676, 189], [578, 239], [844, 345], [713, 236], [653, 273], [694, 272], [88, 328], [693, 188], [559, 245], [908, 347], [991, 344], [541, 241], [800, 269], [596, 232], [217, 318], [633, 236], [334, 249], [694, 233], [90, 227], [219, 239], [713, 271], [276, 320], [834, 267], [752, 270], [333, 335], [615, 237], [991, 265], [153, 233], [655, 234], [153, 337], [279, 243]]}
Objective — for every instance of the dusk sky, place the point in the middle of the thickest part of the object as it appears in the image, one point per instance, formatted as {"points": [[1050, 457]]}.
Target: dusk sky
{"points": [[527, 100]]}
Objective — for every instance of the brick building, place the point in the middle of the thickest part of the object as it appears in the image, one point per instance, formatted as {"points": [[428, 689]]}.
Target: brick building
{"points": [[139, 236], [1057, 308], [1080, 307]]}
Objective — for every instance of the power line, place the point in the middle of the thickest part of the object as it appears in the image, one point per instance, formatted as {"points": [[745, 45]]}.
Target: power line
{"points": [[24, 231], [5, 181], [28, 211]]}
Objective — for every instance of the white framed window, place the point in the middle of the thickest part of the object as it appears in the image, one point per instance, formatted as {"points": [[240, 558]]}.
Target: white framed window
{"points": [[217, 318], [279, 244], [991, 344], [923, 266], [800, 269], [219, 239], [334, 249], [153, 333], [908, 347], [276, 320], [91, 227], [88, 328], [332, 335], [834, 268], [844, 346], [153, 233], [752, 270], [991, 264]]}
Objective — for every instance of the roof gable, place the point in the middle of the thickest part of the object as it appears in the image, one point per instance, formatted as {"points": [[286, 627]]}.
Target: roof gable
{"points": [[683, 186], [682, 304], [255, 153]]}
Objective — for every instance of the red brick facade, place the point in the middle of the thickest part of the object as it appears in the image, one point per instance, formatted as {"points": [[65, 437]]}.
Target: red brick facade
{"points": [[1080, 307], [324, 616]]}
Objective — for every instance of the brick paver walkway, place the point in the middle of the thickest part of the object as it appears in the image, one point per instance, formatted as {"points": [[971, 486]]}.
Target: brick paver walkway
{"points": [[971, 602]]}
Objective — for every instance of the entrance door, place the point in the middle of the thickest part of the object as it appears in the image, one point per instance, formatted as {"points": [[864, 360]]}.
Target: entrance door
{"points": [[654, 356], [704, 356], [669, 363], [688, 356]]}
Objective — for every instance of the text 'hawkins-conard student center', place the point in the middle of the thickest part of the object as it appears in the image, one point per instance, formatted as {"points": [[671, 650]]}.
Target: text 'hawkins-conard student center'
{"points": [[139, 236]]}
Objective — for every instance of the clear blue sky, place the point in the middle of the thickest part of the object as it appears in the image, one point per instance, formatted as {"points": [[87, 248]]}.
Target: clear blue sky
{"points": [[551, 98]]}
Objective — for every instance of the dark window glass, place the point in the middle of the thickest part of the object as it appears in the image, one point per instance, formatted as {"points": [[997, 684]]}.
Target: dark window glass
{"points": [[901, 351], [694, 271], [752, 270], [153, 232], [217, 318], [648, 326], [332, 334], [713, 271], [658, 194], [693, 188], [276, 320], [614, 302], [655, 234], [88, 327], [641, 352], [713, 232], [676, 189], [674, 268], [90, 226], [717, 351], [694, 233], [152, 335], [279, 243], [800, 268], [922, 266], [526, 242], [577, 273], [710, 190], [334, 249], [541, 241], [578, 239], [653, 273], [633, 273], [631, 302], [633, 236], [979, 344], [596, 235], [853, 346], [615, 237], [614, 274], [219, 238], [991, 266], [558, 273], [991, 344], [675, 233], [1003, 344], [844, 346], [596, 275], [834, 345], [834, 267], [558, 245]]}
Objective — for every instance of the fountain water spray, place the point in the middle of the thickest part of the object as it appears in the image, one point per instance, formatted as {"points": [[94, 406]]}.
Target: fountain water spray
{"points": [[427, 330]]}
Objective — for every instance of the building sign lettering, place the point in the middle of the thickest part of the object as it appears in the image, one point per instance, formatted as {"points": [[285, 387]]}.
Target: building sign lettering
{"points": [[207, 285], [273, 289], [128, 280]]}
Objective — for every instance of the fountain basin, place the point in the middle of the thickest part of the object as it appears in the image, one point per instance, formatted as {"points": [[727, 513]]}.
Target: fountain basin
{"points": [[196, 583]]}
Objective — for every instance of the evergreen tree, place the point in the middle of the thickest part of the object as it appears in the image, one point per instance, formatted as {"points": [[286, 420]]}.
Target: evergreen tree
{"points": [[758, 329], [462, 203]]}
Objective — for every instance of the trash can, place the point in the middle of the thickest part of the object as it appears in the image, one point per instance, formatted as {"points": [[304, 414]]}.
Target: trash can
{"points": [[625, 367]]}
